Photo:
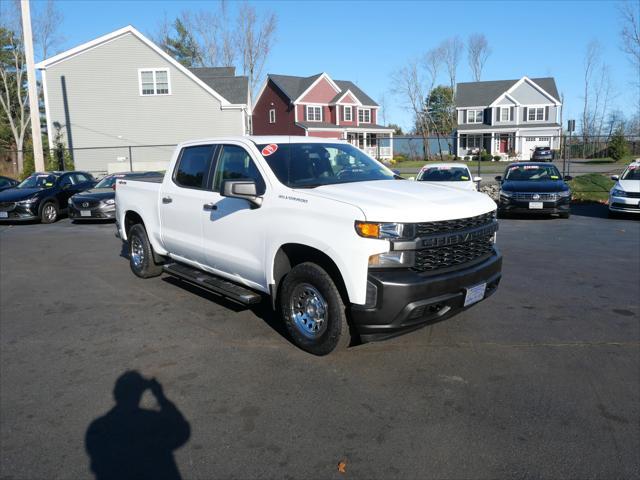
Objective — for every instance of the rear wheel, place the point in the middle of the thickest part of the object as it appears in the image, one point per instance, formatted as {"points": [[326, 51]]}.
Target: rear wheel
{"points": [[313, 310], [48, 212], [141, 254]]}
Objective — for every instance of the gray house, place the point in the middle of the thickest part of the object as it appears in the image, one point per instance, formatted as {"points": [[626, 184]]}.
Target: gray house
{"points": [[508, 118], [119, 101]]}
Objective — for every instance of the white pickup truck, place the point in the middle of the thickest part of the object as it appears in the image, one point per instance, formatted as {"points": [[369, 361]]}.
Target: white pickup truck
{"points": [[345, 248]]}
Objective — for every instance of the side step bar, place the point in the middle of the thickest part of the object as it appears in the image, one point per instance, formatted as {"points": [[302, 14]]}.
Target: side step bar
{"points": [[213, 283]]}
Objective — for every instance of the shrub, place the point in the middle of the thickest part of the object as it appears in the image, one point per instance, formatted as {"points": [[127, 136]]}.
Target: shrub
{"points": [[467, 158], [497, 158], [485, 156], [456, 158], [475, 158], [400, 157], [618, 147]]}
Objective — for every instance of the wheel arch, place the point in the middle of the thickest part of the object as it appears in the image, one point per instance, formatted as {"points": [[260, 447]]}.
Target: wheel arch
{"points": [[289, 255]]}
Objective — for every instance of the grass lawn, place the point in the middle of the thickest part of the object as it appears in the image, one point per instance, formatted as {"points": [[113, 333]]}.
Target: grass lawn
{"points": [[591, 187]]}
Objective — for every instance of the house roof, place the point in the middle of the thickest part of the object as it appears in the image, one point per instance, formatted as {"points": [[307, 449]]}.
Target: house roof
{"points": [[293, 87], [480, 94], [333, 126], [223, 80], [130, 30]]}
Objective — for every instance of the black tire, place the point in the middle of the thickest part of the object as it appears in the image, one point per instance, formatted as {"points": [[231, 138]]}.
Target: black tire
{"points": [[141, 254], [48, 212], [502, 214], [612, 214], [311, 283], [565, 215]]}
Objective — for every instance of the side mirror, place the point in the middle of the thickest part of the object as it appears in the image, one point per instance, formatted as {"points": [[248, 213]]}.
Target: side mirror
{"points": [[568, 177], [615, 177], [245, 189], [477, 179], [499, 178]]}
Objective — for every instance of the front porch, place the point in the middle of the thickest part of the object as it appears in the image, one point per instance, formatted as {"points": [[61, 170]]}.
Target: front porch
{"points": [[503, 144], [375, 144]]}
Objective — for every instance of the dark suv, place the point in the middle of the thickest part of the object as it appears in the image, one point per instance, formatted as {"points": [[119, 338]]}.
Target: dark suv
{"points": [[542, 154], [42, 196]]}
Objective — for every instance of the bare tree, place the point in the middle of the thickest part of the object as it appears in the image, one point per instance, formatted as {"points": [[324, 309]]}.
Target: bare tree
{"points": [[409, 87], [382, 101], [630, 33], [591, 61], [46, 21], [452, 51], [228, 47], [478, 51], [255, 38]]}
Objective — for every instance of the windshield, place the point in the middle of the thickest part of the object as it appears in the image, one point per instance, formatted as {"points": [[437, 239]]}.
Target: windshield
{"points": [[309, 165], [107, 182], [531, 173], [39, 180], [631, 173], [444, 174]]}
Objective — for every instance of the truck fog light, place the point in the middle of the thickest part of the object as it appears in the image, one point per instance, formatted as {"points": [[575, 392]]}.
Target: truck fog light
{"points": [[392, 259]]}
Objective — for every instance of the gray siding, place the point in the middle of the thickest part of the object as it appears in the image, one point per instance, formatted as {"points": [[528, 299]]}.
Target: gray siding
{"points": [[527, 95], [105, 108]]}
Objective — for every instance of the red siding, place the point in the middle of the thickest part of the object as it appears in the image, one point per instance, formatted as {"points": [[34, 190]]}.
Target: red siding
{"points": [[374, 115], [326, 134], [272, 97], [322, 92], [348, 99], [354, 113]]}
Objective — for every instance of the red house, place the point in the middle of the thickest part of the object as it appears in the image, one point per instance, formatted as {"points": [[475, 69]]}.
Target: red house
{"points": [[318, 106]]}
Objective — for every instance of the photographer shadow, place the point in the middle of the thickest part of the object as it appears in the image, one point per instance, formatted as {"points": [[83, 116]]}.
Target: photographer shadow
{"points": [[131, 442]]}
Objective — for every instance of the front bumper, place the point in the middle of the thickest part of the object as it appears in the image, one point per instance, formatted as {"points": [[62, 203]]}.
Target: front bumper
{"points": [[102, 212], [403, 300], [624, 204], [510, 205], [20, 213]]}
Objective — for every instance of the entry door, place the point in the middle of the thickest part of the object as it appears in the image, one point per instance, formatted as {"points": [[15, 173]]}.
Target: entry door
{"points": [[504, 142], [234, 232], [182, 203]]}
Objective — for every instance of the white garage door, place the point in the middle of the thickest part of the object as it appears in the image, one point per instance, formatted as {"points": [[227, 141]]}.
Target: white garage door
{"points": [[530, 143]]}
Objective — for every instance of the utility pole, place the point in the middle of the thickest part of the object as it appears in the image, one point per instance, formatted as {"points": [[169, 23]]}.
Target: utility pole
{"points": [[34, 110]]}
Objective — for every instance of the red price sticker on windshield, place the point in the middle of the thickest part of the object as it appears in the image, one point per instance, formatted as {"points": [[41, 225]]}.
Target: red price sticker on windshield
{"points": [[444, 168], [531, 167], [269, 149]]}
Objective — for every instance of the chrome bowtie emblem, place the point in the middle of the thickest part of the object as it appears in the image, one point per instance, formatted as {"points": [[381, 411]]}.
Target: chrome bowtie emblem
{"points": [[536, 196], [85, 204]]}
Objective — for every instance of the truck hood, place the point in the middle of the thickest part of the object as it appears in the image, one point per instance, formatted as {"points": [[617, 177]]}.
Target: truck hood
{"points": [[406, 201]]}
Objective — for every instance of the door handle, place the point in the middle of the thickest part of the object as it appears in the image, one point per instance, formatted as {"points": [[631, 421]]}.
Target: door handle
{"points": [[167, 200], [209, 207]]}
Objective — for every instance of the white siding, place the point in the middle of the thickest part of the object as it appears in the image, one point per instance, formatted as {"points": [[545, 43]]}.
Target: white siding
{"points": [[105, 107]]}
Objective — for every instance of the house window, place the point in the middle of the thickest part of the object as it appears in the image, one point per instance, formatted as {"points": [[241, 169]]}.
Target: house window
{"points": [[504, 114], [530, 139], [314, 114], [154, 81], [272, 115], [347, 114], [535, 114], [470, 141], [543, 139], [364, 116], [475, 116]]}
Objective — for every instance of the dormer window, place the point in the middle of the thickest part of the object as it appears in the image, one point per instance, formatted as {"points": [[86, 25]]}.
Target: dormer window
{"points": [[154, 81], [364, 115], [314, 113], [347, 116], [475, 116], [535, 114]]}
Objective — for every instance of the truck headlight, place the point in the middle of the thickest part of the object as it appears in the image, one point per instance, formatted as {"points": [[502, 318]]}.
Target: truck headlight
{"points": [[393, 259], [384, 230], [616, 192]]}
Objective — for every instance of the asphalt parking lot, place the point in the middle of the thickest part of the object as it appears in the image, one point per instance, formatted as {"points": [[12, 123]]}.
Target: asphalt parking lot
{"points": [[540, 381]]}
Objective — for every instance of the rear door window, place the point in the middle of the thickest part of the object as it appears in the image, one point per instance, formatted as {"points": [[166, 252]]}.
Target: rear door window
{"points": [[193, 167]]}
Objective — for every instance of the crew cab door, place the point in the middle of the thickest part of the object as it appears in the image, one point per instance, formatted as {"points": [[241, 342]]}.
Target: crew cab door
{"points": [[183, 195], [234, 231]]}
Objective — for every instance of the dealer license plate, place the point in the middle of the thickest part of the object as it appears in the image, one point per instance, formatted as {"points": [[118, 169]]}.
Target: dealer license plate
{"points": [[85, 213], [4, 215], [475, 294], [536, 205]]}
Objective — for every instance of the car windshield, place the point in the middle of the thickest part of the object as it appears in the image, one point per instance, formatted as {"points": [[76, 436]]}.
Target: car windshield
{"points": [[543, 149], [532, 173], [39, 180], [444, 174], [631, 173], [309, 165], [107, 182]]}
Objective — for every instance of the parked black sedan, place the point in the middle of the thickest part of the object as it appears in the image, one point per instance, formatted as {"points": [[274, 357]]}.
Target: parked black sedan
{"points": [[6, 182], [99, 203], [42, 196], [532, 187]]}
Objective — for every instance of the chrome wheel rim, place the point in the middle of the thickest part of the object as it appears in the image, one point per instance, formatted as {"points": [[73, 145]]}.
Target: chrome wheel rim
{"points": [[308, 310], [137, 252], [50, 212]]}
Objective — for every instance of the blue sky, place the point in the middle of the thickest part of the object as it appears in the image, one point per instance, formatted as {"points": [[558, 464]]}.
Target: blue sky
{"points": [[366, 41]]}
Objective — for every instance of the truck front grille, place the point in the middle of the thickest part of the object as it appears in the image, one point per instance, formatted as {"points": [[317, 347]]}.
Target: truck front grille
{"points": [[448, 226], [430, 259]]}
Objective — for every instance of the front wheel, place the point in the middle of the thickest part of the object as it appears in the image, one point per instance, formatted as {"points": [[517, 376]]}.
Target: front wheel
{"points": [[48, 213], [141, 254], [313, 310]]}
